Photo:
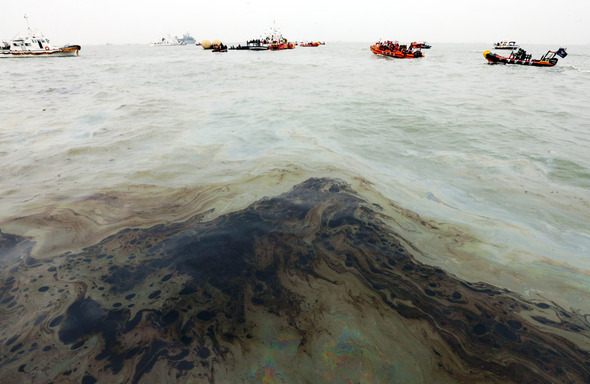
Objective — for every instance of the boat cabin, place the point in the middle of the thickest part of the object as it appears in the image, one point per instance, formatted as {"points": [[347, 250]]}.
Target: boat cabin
{"points": [[32, 43], [506, 45]]}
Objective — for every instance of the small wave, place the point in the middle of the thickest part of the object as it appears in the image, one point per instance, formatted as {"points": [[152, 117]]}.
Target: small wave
{"points": [[60, 90]]}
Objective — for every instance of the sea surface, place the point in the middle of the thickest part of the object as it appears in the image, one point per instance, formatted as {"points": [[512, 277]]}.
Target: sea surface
{"points": [[316, 215]]}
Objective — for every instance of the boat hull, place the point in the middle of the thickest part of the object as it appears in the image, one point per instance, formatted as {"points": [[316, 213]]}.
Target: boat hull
{"points": [[281, 46], [494, 58], [396, 54], [70, 50]]}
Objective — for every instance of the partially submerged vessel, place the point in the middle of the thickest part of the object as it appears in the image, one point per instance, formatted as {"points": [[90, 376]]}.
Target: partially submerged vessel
{"points": [[167, 42], [187, 39], [34, 43], [396, 50], [520, 57]]}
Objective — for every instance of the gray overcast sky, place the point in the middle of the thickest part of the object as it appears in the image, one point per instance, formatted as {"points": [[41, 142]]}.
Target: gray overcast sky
{"points": [[563, 22]]}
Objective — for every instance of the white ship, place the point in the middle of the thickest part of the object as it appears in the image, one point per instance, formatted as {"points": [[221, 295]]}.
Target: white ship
{"points": [[167, 41], [34, 43]]}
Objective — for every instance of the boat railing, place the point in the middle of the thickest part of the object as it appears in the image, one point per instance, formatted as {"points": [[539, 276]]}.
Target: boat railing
{"points": [[548, 56]]}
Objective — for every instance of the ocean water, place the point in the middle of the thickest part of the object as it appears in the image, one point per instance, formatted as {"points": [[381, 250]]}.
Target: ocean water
{"points": [[169, 214]]}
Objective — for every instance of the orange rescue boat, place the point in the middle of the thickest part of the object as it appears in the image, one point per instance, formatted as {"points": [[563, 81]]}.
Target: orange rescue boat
{"points": [[396, 50]]}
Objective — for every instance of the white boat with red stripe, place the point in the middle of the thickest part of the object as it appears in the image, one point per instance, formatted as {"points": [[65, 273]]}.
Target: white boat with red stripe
{"points": [[36, 44]]}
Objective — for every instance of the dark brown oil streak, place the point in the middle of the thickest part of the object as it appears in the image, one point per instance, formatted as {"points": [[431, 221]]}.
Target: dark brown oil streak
{"points": [[240, 259]]}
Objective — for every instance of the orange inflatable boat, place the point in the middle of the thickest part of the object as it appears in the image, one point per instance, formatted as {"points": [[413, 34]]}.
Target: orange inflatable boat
{"points": [[396, 50]]}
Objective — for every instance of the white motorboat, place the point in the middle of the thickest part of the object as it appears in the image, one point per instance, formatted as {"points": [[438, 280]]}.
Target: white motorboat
{"points": [[256, 45], [506, 45], [34, 43]]}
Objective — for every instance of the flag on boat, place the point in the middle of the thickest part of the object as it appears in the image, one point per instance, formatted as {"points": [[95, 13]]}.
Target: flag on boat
{"points": [[561, 52]]}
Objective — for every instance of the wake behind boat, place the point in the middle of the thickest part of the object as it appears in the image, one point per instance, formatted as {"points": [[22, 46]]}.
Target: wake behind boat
{"points": [[522, 58], [35, 44]]}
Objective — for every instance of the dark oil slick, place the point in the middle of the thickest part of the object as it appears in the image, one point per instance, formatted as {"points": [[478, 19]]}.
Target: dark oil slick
{"points": [[305, 287]]}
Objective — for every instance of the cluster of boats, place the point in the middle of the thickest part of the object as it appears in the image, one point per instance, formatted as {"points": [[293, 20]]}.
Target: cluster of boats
{"points": [[517, 55], [273, 41], [273, 45], [265, 44], [35, 43]]}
